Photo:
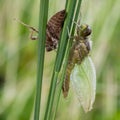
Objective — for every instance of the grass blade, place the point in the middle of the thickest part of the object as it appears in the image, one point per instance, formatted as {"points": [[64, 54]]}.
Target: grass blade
{"points": [[41, 50], [63, 71], [59, 59]]}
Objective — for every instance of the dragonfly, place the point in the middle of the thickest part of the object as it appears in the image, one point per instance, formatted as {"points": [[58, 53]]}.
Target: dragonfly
{"points": [[80, 68], [79, 50]]}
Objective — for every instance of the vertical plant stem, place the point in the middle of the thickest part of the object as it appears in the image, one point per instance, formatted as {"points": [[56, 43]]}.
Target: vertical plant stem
{"points": [[59, 58], [41, 50], [63, 71], [66, 4]]}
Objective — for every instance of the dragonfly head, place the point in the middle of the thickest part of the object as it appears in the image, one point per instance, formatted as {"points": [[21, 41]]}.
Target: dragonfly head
{"points": [[85, 30]]}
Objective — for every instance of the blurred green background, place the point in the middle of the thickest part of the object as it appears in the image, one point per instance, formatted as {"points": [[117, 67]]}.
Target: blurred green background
{"points": [[18, 61]]}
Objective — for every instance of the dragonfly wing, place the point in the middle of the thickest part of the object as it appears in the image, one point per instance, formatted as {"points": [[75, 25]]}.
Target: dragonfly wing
{"points": [[83, 79]]}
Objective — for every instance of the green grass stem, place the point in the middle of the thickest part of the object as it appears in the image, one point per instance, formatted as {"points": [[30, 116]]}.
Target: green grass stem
{"points": [[41, 50], [63, 69], [59, 59]]}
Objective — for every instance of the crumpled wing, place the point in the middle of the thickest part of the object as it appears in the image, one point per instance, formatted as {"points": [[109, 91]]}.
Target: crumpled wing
{"points": [[83, 79]]}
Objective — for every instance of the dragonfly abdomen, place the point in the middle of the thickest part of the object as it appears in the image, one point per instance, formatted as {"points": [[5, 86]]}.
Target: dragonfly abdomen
{"points": [[65, 87], [77, 54]]}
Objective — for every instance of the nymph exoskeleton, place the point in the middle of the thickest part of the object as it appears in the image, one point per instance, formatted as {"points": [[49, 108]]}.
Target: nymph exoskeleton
{"points": [[53, 30]]}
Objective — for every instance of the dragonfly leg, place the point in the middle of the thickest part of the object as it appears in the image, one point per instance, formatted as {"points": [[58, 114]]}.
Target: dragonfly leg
{"points": [[78, 24], [70, 37], [33, 37], [79, 19]]}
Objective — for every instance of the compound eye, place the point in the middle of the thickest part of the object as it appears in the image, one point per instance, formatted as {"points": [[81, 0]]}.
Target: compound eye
{"points": [[87, 31]]}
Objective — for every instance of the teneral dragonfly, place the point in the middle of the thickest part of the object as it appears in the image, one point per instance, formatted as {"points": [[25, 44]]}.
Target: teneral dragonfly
{"points": [[79, 50]]}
